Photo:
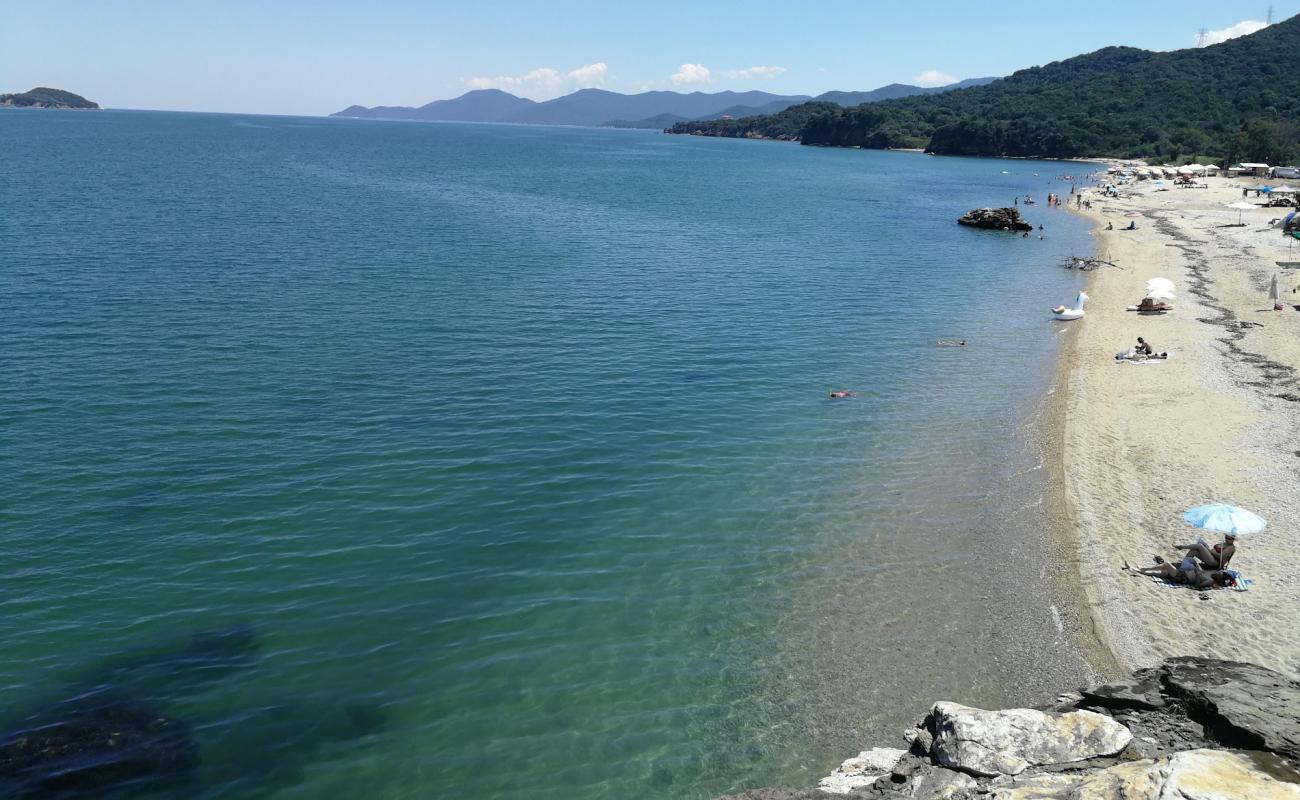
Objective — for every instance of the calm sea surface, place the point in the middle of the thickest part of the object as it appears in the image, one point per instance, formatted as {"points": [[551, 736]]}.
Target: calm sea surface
{"points": [[511, 447]]}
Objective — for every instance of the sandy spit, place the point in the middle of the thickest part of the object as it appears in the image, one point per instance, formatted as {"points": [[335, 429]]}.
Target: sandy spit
{"points": [[1219, 421]]}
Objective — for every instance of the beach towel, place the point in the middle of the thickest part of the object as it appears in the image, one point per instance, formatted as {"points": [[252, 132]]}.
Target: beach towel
{"points": [[1243, 584], [1123, 358]]}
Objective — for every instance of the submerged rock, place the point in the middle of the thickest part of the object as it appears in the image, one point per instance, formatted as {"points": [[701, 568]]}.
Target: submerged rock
{"points": [[1009, 742], [998, 219], [85, 747]]}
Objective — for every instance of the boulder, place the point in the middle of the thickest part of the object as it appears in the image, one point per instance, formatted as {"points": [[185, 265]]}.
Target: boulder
{"points": [[933, 783], [1143, 692], [1190, 775], [861, 770], [1008, 742], [997, 219], [1241, 705]]}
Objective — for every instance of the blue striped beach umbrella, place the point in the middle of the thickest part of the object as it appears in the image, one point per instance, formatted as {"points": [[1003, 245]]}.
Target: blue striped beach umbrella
{"points": [[1223, 518]]}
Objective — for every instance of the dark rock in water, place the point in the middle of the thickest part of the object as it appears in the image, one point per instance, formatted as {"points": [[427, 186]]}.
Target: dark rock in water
{"points": [[997, 219], [91, 746], [110, 738]]}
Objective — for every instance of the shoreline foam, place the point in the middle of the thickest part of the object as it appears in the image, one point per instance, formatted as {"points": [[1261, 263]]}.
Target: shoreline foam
{"points": [[1138, 444]]}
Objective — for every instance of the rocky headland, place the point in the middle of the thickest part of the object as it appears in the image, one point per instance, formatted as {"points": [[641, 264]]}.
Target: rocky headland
{"points": [[1190, 728], [45, 97]]}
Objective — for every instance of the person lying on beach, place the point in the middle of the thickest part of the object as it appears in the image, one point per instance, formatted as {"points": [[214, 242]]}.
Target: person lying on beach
{"points": [[840, 394], [1216, 557], [1149, 304], [1196, 578]]}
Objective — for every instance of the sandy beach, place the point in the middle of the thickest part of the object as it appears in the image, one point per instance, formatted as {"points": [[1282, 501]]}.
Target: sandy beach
{"points": [[1216, 422]]}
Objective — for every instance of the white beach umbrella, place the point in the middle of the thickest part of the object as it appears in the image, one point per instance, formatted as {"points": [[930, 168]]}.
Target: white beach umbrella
{"points": [[1240, 206], [1160, 283], [1161, 294]]}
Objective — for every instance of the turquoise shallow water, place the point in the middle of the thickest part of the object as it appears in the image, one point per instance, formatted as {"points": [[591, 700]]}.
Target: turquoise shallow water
{"points": [[512, 446]]}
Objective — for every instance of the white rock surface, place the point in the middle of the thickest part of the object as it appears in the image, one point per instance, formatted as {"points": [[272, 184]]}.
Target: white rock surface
{"points": [[1008, 742], [1190, 775], [861, 770]]}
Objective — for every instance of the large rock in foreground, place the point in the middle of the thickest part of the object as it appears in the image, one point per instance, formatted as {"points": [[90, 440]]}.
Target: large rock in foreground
{"points": [[1009, 742], [1188, 729], [996, 219], [1191, 775]]}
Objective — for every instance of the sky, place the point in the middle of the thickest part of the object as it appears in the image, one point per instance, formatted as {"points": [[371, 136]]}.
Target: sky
{"points": [[319, 56]]}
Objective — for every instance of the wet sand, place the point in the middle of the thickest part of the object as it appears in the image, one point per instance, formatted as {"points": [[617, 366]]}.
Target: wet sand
{"points": [[1218, 422]]}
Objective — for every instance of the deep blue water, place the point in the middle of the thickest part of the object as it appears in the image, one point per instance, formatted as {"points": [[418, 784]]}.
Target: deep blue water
{"points": [[513, 446]]}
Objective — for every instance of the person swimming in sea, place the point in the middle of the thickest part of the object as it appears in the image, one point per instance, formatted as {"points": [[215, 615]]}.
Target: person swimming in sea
{"points": [[952, 342], [841, 394]]}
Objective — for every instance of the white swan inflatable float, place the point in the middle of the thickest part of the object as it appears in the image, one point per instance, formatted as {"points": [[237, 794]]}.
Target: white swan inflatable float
{"points": [[1063, 313]]}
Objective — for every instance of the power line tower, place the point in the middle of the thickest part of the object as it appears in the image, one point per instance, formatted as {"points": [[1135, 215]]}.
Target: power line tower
{"points": [[1269, 16], [1200, 37]]}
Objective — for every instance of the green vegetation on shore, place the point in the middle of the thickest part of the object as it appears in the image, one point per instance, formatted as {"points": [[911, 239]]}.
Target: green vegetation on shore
{"points": [[1239, 100], [45, 97]]}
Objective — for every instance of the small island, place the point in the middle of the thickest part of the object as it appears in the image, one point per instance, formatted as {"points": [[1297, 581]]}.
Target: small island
{"points": [[45, 97]]}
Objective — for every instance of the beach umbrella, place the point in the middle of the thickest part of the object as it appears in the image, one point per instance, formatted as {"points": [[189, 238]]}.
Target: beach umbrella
{"points": [[1240, 206], [1160, 293], [1160, 283], [1223, 518]]}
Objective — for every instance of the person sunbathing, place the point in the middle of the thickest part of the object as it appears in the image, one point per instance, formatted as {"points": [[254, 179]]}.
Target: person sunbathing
{"points": [[1149, 304], [1216, 557], [1196, 577]]}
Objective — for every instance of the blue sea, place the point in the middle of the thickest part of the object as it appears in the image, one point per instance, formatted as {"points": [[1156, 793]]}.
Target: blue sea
{"points": [[506, 453]]}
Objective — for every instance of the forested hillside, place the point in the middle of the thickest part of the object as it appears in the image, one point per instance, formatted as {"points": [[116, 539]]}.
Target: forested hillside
{"points": [[1232, 101]]}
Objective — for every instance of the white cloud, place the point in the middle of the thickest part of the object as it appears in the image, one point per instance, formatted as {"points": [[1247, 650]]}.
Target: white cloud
{"points": [[1242, 28], [545, 82], [692, 73], [933, 77], [753, 72]]}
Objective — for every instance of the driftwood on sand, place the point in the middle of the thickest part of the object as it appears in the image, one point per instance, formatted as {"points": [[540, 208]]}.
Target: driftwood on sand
{"points": [[1088, 263]]}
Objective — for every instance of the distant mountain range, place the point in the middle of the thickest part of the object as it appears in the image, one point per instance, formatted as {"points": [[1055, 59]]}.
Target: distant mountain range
{"points": [[595, 107], [1233, 101]]}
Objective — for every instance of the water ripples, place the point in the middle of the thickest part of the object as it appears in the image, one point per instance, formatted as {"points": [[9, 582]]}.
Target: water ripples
{"points": [[513, 446]]}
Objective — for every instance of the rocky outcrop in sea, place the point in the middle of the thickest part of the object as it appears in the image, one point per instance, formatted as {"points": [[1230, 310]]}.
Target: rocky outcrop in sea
{"points": [[1190, 729], [996, 219]]}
